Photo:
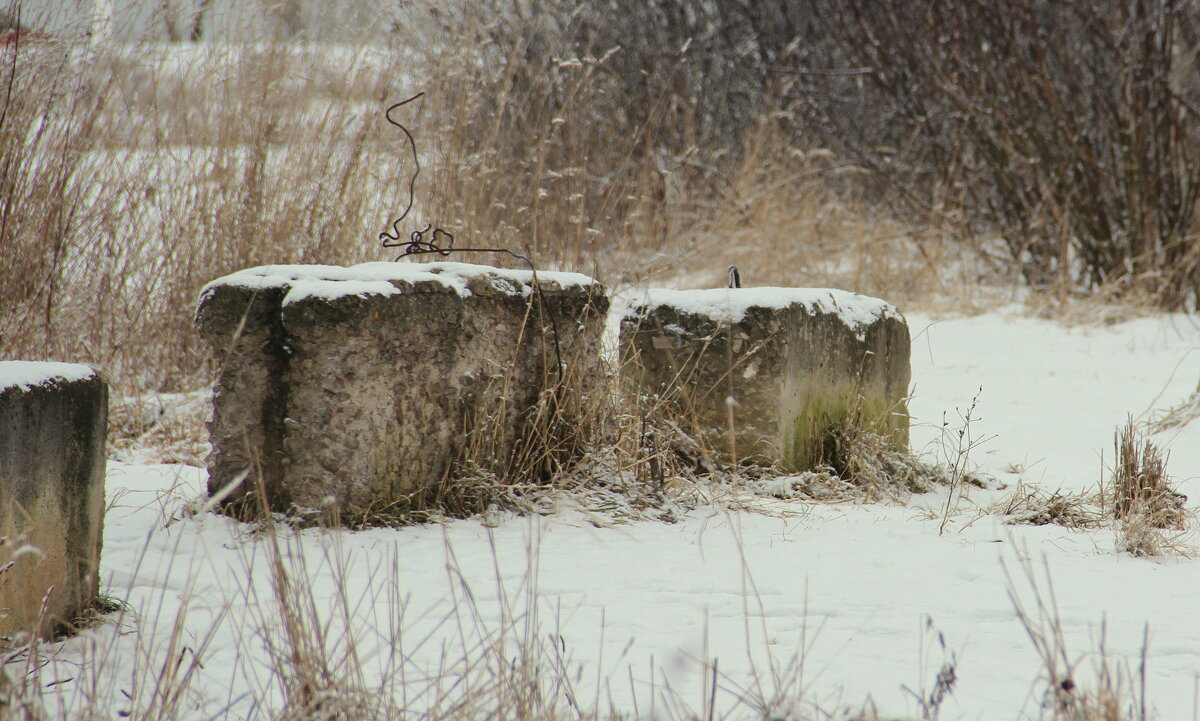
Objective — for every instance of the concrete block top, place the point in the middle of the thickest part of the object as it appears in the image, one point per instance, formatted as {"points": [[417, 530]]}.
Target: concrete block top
{"points": [[729, 305], [330, 282], [26, 375]]}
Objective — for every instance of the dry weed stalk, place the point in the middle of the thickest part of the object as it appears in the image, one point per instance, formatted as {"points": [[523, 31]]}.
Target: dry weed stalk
{"points": [[1113, 693], [956, 446], [155, 677]]}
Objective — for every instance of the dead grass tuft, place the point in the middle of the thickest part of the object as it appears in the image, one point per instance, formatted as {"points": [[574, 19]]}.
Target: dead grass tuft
{"points": [[1150, 513], [1033, 506], [879, 469], [1177, 416]]}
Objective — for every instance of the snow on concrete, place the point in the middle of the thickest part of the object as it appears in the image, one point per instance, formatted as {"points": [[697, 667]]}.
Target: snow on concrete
{"points": [[332, 289], [381, 278], [859, 592], [731, 304], [28, 374]]}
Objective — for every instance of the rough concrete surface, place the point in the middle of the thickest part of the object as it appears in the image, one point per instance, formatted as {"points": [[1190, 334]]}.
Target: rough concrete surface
{"points": [[52, 454], [367, 387], [782, 374]]}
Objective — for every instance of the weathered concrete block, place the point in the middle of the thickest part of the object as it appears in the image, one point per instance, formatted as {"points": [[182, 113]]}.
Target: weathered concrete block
{"points": [[363, 387], [53, 429], [796, 362]]}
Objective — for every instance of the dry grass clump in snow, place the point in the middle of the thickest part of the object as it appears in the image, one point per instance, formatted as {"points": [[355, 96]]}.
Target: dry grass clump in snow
{"points": [[869, 466], [1150, 513], [1034, 506], [873, 463], [1139, 500]]}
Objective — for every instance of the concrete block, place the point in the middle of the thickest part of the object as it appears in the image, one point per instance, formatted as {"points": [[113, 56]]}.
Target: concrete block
{"points": [[791, 364], [53, 429], [363, 387]]}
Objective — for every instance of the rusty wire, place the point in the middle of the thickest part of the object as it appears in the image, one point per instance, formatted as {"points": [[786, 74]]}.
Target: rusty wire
{"points": [[429, 239], [441, 242]]}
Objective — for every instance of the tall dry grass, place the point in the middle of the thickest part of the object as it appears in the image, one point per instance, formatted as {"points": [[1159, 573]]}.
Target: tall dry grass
{"points": [[132, 175]]}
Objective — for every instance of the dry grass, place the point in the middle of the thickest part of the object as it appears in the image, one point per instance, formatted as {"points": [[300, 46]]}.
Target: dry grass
{"points": [[154, 169], [162, 670], [316, 637], [148, 171], [1112, 691], [1150, 513], [880, 470], [159, 427], [1034, 506], [1138, 501]]}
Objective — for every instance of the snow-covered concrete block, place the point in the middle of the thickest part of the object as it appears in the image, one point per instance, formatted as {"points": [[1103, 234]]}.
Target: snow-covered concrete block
{"points": [[53, 429], [363, 387], [782, 367]]}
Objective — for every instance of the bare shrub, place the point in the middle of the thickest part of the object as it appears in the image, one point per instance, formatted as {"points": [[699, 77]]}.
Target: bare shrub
{"points": [[1070, 128], [632, 141]]}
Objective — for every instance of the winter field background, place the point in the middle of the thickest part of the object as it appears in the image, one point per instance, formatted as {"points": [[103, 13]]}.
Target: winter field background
{"points": [[136, 170]]}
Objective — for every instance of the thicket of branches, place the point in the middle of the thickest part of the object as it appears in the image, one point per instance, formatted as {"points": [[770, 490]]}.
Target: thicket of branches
{"points": [[1067, 129]]}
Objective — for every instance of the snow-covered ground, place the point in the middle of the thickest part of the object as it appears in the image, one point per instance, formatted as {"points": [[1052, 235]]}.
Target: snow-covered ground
{"points": [[858, 592]]}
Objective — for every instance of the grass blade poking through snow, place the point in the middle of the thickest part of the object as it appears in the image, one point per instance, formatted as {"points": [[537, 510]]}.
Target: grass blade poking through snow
{"points": [[1112, 692]]}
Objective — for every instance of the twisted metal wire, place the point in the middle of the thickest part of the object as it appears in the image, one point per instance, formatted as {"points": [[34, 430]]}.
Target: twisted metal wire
{"points": [[428, 239], [441, 242]]}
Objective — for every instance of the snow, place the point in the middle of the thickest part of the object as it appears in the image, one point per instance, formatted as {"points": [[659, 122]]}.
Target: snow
{"points": [[380, 278], [860, 592], [731, 304], [29, 374], [333, 289]]}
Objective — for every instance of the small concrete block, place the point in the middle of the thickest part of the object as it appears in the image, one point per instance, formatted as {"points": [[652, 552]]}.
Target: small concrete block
{"points": [[791, 364], [53, 430], [361, 387]]}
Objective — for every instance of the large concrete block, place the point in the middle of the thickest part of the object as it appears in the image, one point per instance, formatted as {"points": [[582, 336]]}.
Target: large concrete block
{"points": [[364, 387], [782, 367], [53, 428]]}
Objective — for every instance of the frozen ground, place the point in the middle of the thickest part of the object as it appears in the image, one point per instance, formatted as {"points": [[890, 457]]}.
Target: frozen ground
{"points": [[860, 592]]}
